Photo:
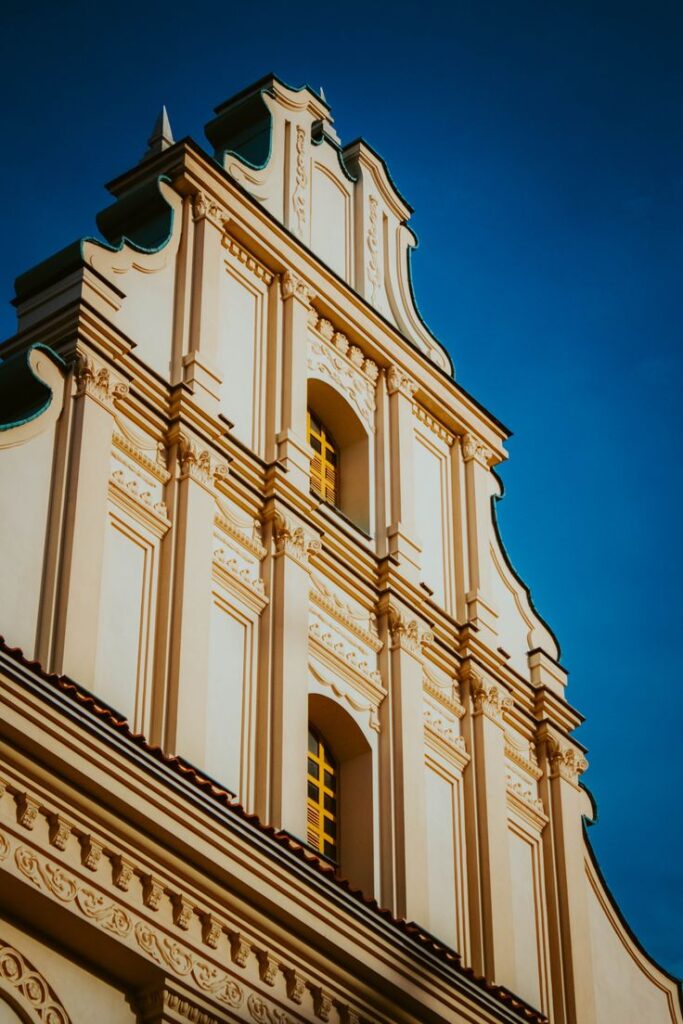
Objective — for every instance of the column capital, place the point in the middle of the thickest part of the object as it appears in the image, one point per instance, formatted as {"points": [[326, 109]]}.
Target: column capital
{"points": [[199, 464], [566, 762], [294, 539], [294, 287], [473, 448], [96, 379], [205, 207], [399, 382], [489, 698], [407, 634]]}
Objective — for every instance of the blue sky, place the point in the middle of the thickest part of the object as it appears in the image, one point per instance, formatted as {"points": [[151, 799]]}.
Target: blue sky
{"points": [[541, 146]]}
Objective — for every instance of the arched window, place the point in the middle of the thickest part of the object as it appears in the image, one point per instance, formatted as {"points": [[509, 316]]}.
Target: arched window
{"points": [[322, 796], [324, 461]]}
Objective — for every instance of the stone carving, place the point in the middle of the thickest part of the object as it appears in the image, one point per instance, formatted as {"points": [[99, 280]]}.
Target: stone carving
{"points": [[373, 248], [473, 448], [490, 699], [407, 634], [27, 810], [51, 877], [122, 872], [399, 382], [293, 286], [344, 365], [343, 650], [301, 180], [182, 911], [346, 692], [152, 1006], [436, 428], [118, 479], [446, 730], [447, 694], [96, 380], [523, 757], [567, 763], [183, 962], [152, 891], [262, 1013], [91, 853], [205, 206], [124, 442], [199, 464], [296, 985], [241, 572], [293, 539], [268, 966], [239, 949], [244, 257], [29, 988], [59, 831], [211, 931], [360, 624], [524, 791], [322, 1002], [4, 847]]}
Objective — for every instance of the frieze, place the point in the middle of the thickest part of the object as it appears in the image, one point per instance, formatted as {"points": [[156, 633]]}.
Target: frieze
{"points": [[343, 650], [447, 731], [446, 695], [359, 623], [156, 467], [244, 574], [30, 989], [524, 758], [263, 1013], [248, 535], [184, 963], [523, 790]]}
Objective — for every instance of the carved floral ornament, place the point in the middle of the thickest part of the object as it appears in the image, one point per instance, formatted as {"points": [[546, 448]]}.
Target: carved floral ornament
{"points": [[489, 698], [293, 539], [398, 382], [198, 463], [294, 287], [97, 380], [29, 989], [301, 181], [373, 248], [206, 207], [473, 448], [407, 634], [566, 762]]}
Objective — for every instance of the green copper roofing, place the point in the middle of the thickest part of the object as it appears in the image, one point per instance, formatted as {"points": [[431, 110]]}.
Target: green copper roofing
{"points": [[23, 395], [141, 219]]}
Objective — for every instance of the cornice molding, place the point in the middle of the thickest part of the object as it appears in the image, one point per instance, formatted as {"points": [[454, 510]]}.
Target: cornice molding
{"points": [[433, 425], [246, 259]]}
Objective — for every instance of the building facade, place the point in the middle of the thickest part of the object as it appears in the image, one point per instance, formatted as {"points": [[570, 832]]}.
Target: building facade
{"points": [[283, 737]]}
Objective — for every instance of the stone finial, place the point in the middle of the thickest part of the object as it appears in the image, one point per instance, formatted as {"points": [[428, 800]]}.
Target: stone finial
{"points": [[161, 137]]}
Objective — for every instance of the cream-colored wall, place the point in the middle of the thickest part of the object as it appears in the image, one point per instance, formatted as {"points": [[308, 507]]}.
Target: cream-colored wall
{"points": [[25, 478], [229, 653], [84, 995], [628, 988]]}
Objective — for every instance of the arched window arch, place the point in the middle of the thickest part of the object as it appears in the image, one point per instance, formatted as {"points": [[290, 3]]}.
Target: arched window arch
{"points": [[323, 783], [340, 454], [341, 808]]}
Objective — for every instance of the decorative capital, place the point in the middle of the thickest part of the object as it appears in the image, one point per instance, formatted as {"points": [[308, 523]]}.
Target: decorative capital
{"points": [[296, 985], [199, 464], [407, 634], [206, 207], [97, 380], [399, 381], [490, 699], [292, 539], [294, 287], [566, 762], [473, 448]]}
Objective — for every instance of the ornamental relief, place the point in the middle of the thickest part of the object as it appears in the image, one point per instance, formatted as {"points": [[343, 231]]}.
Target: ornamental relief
{"points": [[29, 988], [333, 359], [360, 623], [338, 641]]}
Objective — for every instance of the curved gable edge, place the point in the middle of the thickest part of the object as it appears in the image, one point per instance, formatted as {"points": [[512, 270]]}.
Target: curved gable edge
{"points": [[31, 394], [669, 983]]}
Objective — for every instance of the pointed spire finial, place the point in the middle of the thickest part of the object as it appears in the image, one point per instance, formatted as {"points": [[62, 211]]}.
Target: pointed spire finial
{"points": [[161, 137], [323, 97]]}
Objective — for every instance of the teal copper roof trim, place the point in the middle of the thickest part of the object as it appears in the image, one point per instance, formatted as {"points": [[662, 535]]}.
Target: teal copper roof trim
{"points": [[140, 219], [23, 395]]}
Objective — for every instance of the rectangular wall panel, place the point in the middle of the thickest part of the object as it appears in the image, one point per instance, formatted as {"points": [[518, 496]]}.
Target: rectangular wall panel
{"points": [[429, 500], [225, 696], [525, 911], [442, 856], [122, 634], [239, 352]]}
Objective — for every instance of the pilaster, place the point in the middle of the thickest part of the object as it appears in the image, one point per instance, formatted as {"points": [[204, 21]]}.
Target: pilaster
{"points": [[199, 364], [480, 608], [486, 808], [404, 822], [292, 444], [196, 470], [293, 543], [85, 523], [402, 532], [565, 856]]}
